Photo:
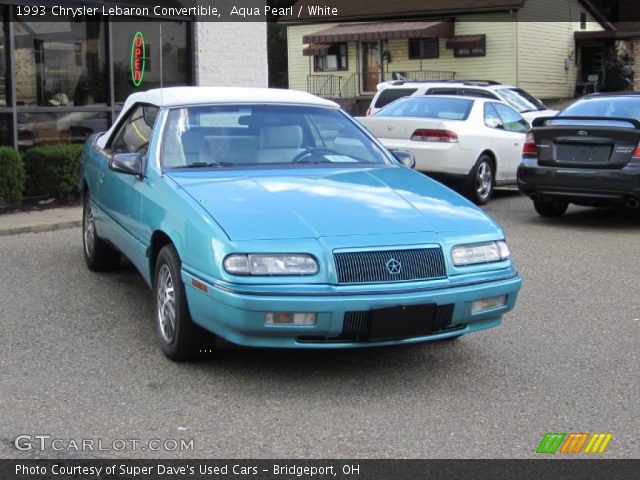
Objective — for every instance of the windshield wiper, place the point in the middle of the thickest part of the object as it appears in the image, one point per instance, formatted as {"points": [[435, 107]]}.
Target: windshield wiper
{"points": [[206, 164]]}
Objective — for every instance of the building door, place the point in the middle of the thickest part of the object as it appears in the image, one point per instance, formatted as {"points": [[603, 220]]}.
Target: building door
{"points": [[370, 66]]}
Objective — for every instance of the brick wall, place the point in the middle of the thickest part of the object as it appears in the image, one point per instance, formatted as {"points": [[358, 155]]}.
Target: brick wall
{"points": [[231, 54], [636, 64]]}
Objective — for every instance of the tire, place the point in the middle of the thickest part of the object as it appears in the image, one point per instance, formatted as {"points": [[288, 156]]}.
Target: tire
{"points": [[98, 255], [481, 181], [550, 208], [176, 331]]}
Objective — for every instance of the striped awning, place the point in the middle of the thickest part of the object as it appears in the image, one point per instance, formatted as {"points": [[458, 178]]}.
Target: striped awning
{"points": [[316, 49], [381, 31]]}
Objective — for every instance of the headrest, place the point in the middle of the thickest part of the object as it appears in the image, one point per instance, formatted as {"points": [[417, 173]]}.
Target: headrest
{"points": [[287, 136]]}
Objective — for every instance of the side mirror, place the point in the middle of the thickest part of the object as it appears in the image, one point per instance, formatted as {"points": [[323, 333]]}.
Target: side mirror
{"points": [[405, 157], [127, 163]]}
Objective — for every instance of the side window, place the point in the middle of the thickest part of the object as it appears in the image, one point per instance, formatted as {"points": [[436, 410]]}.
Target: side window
{"points": [[389, 95], [135, 134], [442, 91], [511, 119], [474, 92], [491, 117]]}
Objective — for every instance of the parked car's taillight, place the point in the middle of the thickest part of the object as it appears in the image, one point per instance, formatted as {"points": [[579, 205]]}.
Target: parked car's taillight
{"points": [[636, 152], [530, 147], [430, 135]]}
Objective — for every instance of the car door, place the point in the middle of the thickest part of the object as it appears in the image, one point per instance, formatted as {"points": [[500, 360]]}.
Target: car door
{"points": [[508, 130], [120, 194]]}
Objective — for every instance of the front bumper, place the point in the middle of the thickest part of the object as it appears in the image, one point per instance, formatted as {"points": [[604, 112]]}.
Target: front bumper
{"points": [[238, 314], [580, 185]]}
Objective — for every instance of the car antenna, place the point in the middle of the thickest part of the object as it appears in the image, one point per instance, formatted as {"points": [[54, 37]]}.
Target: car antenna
{"points": [[161, 86]]}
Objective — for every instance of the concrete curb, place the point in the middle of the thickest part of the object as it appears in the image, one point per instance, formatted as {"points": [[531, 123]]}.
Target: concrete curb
{"points": [[44, 227]]}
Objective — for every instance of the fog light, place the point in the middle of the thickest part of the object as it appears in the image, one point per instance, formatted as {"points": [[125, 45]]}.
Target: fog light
{"points": [[488, 304], [286, 318]]}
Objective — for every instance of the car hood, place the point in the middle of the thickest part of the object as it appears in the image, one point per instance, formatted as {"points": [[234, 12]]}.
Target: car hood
{"points": [[313, 203]]}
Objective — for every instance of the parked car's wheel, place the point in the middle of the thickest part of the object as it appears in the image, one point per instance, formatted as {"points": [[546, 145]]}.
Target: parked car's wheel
{"points": [[98, 255], [176, 331], [481, 181], [550, 208]]}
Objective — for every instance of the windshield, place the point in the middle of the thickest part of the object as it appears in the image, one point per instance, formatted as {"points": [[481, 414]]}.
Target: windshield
{"points": [[620, 107], [521, 100], [262, 135], [428, 107]]}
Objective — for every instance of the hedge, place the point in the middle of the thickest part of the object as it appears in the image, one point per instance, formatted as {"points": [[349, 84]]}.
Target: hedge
{"points": [[52, 170], [12, 177]]}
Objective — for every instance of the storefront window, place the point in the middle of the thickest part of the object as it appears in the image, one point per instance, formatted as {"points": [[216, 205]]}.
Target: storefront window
{"points": [[60, 63], [3, 64], [35, 129], [5, 129], [137, 51]]}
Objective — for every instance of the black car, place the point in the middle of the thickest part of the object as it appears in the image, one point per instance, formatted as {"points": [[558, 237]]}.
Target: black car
{"points": [[587, 155]]}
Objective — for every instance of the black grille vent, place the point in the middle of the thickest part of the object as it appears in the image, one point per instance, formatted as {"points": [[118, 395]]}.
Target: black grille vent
{"points": [[375, 266], [356, 325]]}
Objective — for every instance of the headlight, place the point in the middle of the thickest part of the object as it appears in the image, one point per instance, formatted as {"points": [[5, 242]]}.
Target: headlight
{"points": [[268, 264], [480, 253]]}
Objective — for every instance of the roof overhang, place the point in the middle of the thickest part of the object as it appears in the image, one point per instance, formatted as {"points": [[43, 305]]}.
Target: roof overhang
{"points": [[381, 31], [607, 35], [316, 49]]}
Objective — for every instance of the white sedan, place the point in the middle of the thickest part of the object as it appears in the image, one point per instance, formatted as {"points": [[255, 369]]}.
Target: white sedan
{"points": [[475, 141]]}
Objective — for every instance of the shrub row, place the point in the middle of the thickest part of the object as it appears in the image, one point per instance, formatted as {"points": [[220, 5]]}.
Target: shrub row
{"points": [[52, 170]]}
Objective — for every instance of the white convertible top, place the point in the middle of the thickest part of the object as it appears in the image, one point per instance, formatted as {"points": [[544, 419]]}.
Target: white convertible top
{"points": [[185, 96]]}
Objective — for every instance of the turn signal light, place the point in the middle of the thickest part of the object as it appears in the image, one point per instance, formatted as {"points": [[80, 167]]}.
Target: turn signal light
{"points": [[287, 318], [431, 135]]}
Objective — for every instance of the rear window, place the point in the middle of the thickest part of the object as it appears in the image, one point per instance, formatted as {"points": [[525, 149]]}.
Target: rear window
{"points": [[389, 95], [621, 107], [469, 92], [429, 107], [521, 100]]}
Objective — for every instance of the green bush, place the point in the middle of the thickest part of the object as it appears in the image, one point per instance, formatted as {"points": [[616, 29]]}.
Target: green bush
{"points": [[52, 170], [12, 176]]}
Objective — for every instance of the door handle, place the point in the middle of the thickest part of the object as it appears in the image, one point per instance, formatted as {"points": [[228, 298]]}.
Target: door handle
{"points": [[101, 177]]}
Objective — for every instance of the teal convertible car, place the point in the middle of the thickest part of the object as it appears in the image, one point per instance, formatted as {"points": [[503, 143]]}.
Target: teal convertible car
{"points": [[271, 218]]}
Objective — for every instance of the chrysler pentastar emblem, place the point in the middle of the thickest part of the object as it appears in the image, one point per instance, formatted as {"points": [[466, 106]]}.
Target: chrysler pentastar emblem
{"points": [[583, 132], [394, 266]]}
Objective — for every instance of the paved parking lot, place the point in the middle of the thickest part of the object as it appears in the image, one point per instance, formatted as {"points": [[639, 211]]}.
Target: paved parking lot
{"points": [[79, 360]]}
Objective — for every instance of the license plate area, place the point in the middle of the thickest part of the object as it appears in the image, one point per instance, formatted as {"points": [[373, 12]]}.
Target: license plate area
{"points": [[402, 321], [572, 153]]}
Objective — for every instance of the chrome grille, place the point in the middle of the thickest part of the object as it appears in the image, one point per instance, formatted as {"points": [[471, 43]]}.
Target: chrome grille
{"points": [[372, 266]]}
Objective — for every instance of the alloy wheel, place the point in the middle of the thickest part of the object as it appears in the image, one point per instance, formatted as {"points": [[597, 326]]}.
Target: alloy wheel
{"points": [[166, 303], [484, 180]]}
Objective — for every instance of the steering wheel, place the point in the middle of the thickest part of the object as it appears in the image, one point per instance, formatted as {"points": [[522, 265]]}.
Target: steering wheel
{"points": [[313, 151]]}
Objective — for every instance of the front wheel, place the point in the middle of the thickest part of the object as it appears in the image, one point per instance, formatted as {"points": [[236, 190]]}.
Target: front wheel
{"points": [[98, 255], [176, 331], [481, 181], [550, 208]]}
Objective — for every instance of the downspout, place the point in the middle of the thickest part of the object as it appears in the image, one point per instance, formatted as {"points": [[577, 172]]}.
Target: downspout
{"points": [[517, 44]]}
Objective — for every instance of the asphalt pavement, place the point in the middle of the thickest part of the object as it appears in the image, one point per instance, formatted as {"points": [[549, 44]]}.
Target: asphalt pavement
{"points": [[79, 360]]}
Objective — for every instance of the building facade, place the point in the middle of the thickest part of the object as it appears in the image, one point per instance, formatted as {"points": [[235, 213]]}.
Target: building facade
{"points": [[513, 42], [62, 80]]}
